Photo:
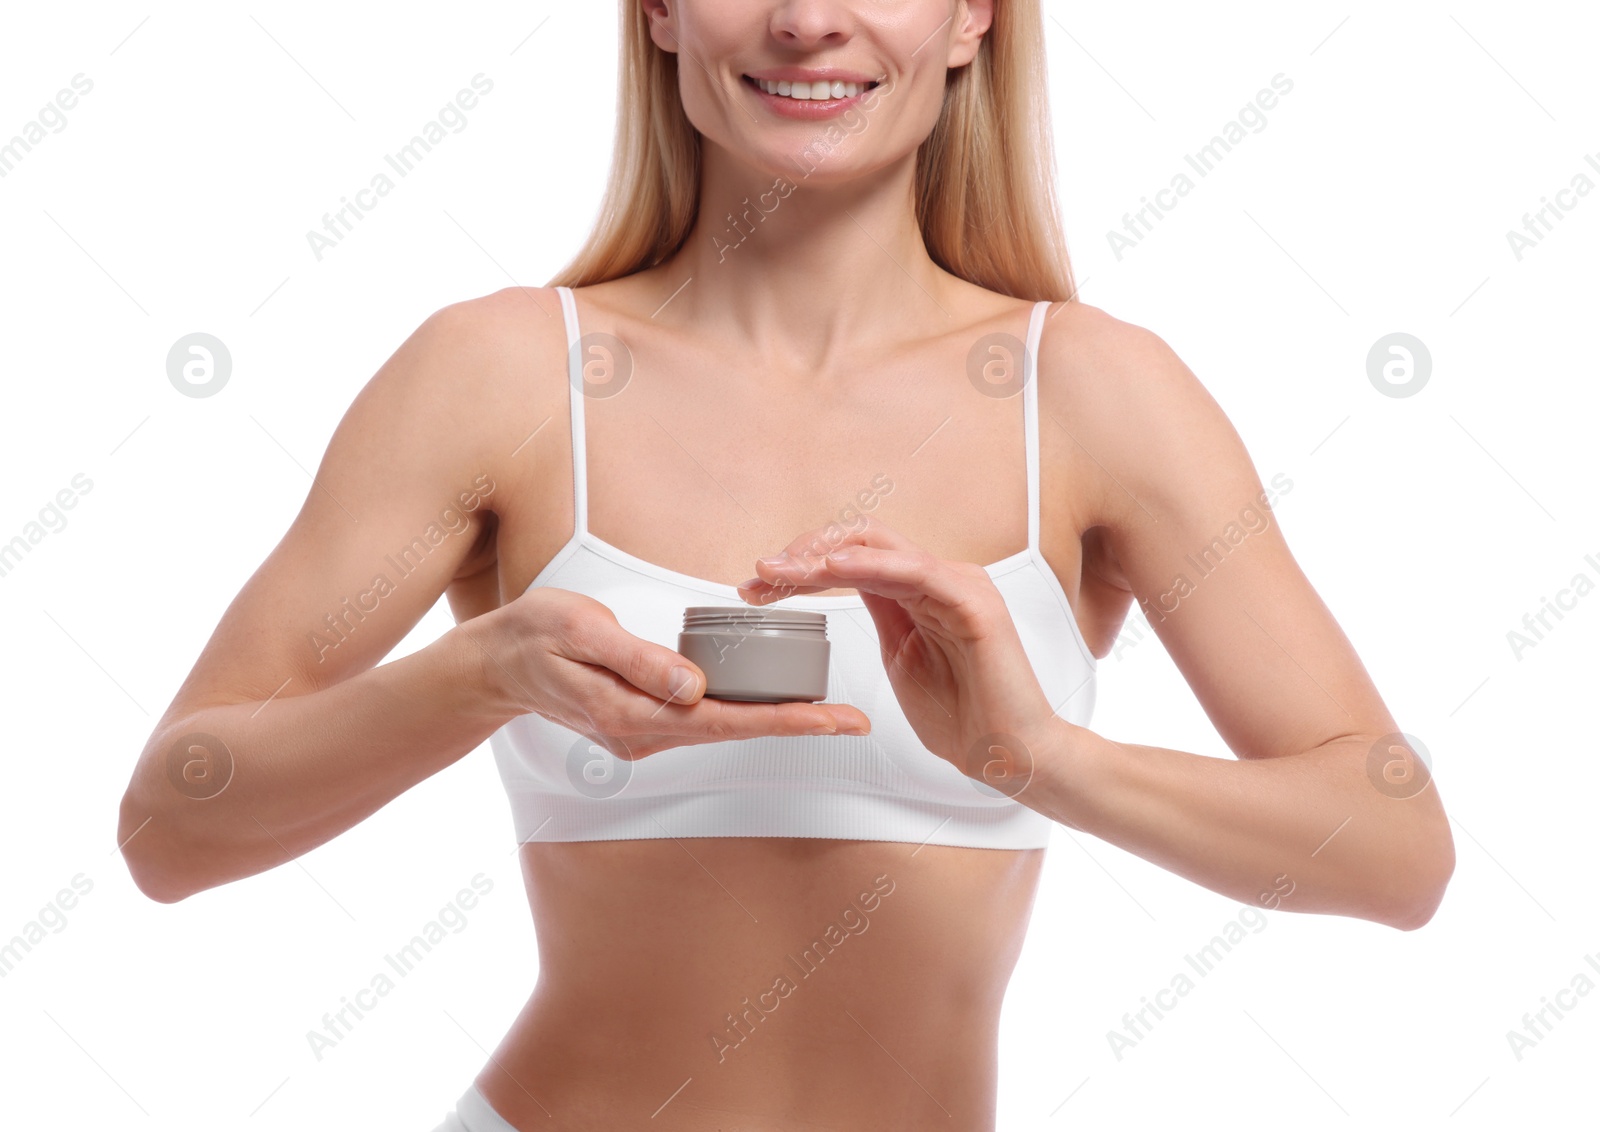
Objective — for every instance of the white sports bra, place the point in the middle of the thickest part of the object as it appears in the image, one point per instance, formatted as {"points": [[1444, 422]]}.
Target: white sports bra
{"points": [[883, 786]]}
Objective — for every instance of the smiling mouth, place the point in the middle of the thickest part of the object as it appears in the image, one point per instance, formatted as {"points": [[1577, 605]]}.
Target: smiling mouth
{"points": [[809, 92]]}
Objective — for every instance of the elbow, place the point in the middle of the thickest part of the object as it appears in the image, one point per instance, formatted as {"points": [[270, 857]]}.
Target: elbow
{"points": [[1428, 876], [153, 887], [138, 841], [158, 884]]}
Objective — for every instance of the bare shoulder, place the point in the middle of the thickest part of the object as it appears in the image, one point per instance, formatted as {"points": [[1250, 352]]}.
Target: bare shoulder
{"points": [[1132, 407], [472, 387], [496, 364], [515, 330], [1101, 360]]}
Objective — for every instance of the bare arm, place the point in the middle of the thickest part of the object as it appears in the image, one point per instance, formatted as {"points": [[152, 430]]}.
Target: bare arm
{"points": [[299, 770], [306, 736], [1322, 811]]}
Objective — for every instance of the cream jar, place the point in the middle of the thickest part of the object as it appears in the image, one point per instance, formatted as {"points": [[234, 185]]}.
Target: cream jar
{"points": [[759, 653]]}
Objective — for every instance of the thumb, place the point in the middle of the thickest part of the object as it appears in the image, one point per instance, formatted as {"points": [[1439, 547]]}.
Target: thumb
{"points": [[652, 668], [685, 681]]}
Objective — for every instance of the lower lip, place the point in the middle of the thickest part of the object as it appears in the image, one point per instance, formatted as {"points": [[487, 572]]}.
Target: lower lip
{"points": [[806, 109]]}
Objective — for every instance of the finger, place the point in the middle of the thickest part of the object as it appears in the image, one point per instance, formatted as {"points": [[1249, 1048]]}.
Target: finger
{"points": [[810, 547], [654, 669], [781, 576], [711, 720], [898, 574], [631, 724], [892, 622]]}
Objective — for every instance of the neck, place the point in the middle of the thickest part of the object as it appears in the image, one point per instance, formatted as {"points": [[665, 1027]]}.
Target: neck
{"points": [[813, 270]]}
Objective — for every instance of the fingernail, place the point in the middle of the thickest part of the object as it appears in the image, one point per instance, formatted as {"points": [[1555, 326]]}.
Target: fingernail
{"points": [[774, 560], [854, 729], [680, 681], [748, 582], [825, 729]]}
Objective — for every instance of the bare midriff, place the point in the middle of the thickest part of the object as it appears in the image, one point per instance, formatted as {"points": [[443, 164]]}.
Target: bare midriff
{"points": [[756, 984]]}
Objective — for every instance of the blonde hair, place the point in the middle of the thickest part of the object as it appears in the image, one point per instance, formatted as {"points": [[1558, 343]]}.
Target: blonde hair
{"points": [[985, 176]]}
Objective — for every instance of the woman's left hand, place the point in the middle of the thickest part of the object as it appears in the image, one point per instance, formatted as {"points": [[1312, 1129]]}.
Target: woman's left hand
{"points": [[947, 639]]}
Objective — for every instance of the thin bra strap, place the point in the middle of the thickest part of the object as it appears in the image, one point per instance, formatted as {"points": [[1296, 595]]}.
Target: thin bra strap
{"points": [[1030, 416], [575, 399]]}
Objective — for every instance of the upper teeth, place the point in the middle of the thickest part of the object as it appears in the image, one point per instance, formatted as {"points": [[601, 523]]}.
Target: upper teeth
{"points": [[787, 89]]}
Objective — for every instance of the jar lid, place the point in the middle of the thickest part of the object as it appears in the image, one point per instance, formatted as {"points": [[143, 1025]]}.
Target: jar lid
{"points": [[749, 619]]}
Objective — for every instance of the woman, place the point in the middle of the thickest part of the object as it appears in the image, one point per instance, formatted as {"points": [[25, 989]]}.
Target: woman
{"points": [[827, 260]]}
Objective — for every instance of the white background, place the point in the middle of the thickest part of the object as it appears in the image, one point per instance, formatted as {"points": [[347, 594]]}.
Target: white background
{"points": [[1377, 199]]}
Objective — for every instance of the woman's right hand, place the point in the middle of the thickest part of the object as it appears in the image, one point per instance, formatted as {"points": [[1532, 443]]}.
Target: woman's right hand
{"points": [[564, 656]]}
